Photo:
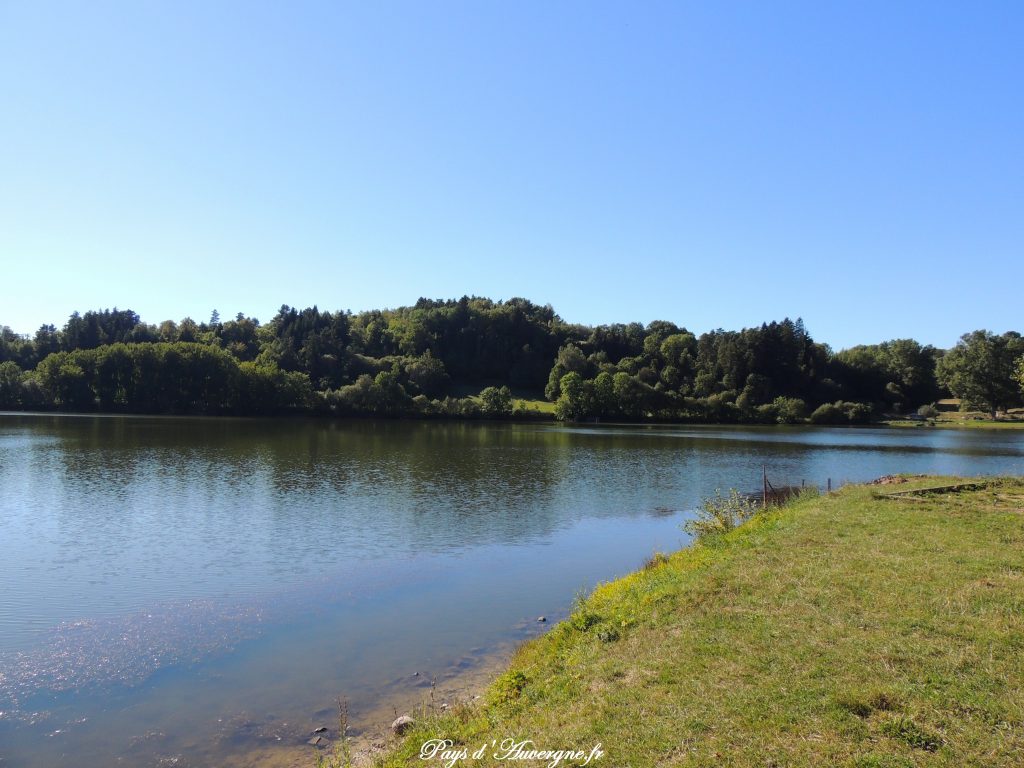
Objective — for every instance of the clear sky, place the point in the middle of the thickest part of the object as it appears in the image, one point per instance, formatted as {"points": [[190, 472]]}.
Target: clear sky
{"points": [[716, 164]]}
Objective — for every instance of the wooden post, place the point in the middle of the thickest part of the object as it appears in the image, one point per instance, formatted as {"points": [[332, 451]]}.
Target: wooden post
{"points": [[830, 485], [764, 486]]}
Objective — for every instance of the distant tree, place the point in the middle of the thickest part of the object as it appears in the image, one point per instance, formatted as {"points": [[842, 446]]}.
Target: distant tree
{"points": [[381, 395], [789, 410], [96, 328], [427, 375], [239, 337], [679, 357], [841, 413], [571, 404], [632, 396], [828, 413], [389, 396], [980, 370], [617, 341], [570, 359], [10, 385], [46, 341], [604, 394], [16, 348], [66, 382], [911, 367], [756, 390], [188, 330], [899, 373], [655, 333], [496, 402], [168, 331]]}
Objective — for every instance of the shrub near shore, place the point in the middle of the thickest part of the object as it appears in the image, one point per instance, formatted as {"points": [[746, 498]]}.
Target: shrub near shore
{"points": [[850, 629]]}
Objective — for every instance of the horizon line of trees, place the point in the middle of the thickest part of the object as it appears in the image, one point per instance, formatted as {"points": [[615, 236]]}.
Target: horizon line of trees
{"points": [[465, 358]]}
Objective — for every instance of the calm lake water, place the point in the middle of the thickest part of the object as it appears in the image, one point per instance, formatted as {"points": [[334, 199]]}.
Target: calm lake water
{"points": [[199, 592]]}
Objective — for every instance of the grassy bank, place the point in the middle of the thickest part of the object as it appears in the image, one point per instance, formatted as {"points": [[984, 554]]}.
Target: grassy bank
{"points": [[849, 630], [959, 423]]}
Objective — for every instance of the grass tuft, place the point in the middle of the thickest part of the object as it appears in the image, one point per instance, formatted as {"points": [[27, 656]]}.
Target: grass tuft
{"points": [[656, 560], [914, 735], [882, 761], [508, 687], [720, 514], [582, 621]]}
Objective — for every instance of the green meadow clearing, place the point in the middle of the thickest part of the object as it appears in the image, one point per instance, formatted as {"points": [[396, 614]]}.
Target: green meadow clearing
{"points": [[851, 629], [967, 421]]}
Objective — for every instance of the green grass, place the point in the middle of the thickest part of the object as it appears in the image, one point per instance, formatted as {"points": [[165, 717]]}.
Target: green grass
{"points": [[967, 422], [849, 630], [543, 406], [522, 399], [1011, 419]]}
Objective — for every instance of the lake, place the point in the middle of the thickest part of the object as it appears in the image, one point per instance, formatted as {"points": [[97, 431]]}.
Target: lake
{"points": [[200, 592]]}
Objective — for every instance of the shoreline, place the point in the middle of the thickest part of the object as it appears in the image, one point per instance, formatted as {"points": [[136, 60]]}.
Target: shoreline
{"points": [[727, 635], [546, 420], [369, 734]]}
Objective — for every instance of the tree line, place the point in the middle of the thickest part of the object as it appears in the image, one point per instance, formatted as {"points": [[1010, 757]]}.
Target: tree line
{"points": [[465, 358]]}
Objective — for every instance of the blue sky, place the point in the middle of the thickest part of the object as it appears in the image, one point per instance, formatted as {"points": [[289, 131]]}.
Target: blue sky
{"points": [[715, 164]]}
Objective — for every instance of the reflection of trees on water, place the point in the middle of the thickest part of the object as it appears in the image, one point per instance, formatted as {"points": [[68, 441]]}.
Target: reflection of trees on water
{"points": [[379, 486], [227, 504], [343, 489], [309, 488]]}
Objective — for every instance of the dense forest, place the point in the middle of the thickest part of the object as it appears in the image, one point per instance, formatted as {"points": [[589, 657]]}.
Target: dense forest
{"points": [[474, 357]]}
